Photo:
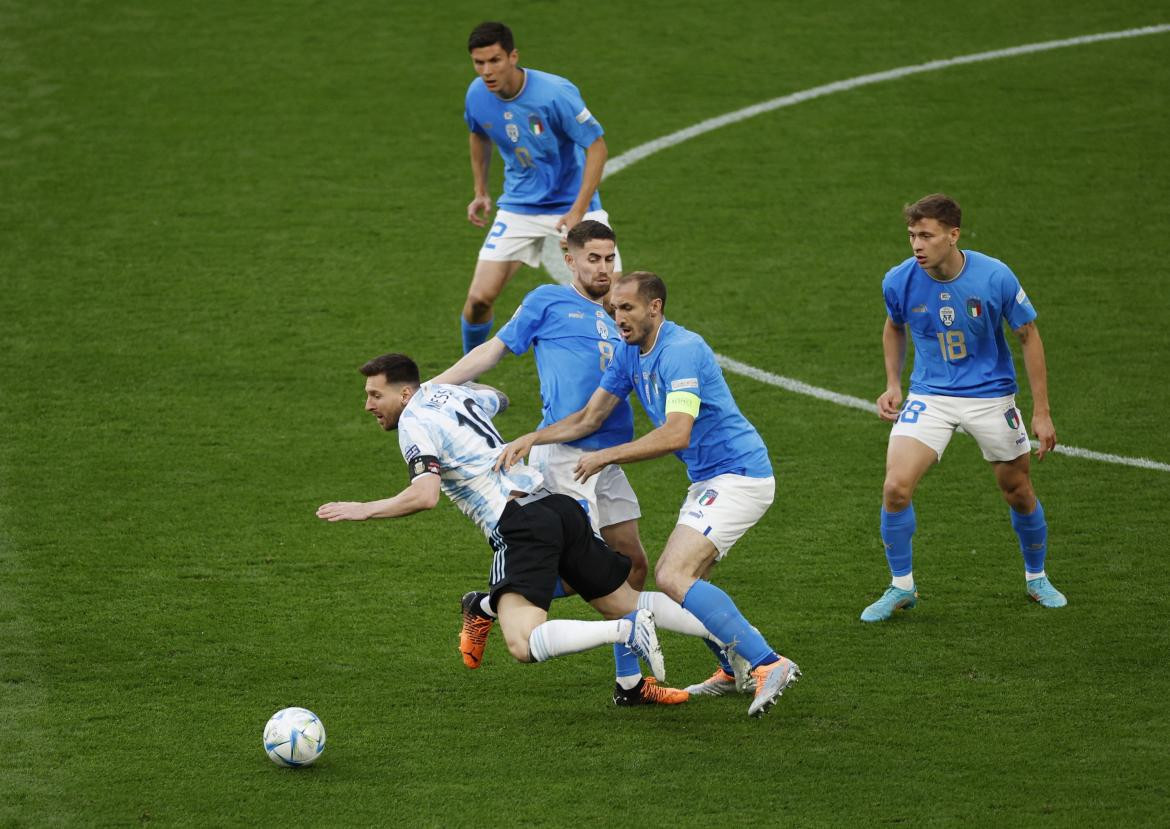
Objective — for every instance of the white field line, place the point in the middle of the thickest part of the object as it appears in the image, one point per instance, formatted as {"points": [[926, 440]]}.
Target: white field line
{"points": [[788, 384], [621, 162]]}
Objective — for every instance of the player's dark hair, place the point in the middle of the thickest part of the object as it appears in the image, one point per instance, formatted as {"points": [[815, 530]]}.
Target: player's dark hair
{"points": [[397, 368], [650, 285], [489, 34], [937, 206], [587, 231]]}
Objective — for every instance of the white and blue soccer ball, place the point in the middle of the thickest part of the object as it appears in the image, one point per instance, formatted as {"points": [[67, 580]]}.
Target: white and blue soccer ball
{"points": [[294, 737]]}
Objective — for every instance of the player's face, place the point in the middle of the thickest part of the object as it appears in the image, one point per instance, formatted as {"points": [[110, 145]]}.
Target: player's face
{"points": [[385, 401], [932, 242], [592, 267], [636, 319], [498, 69]]}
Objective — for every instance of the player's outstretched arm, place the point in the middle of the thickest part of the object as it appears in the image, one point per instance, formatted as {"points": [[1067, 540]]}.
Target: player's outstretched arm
{"points": [[672, 436], [580, 423], [422, 494], [479, 360], [889, 402], [1037, 369], [481, 158], [596, 155]]}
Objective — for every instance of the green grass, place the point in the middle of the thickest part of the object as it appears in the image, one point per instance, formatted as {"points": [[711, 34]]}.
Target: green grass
{"points": [[214, 212]]}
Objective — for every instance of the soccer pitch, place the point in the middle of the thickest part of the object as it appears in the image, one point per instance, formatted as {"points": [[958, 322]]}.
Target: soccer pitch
{"points": [[214, 212]]}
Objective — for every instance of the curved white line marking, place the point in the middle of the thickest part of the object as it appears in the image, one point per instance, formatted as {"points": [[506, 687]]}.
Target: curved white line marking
{"points": [[788, 384], [621, 162]]}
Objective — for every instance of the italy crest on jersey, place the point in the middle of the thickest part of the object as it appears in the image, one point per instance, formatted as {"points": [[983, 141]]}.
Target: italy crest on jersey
{"points": [[974, 308], [534, 125]]}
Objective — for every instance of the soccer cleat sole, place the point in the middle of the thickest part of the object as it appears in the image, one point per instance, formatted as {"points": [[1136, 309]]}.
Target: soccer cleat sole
{"points": [[760, 708]]}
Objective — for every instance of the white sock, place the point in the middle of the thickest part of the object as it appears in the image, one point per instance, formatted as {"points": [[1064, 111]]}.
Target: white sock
{"points": [[670, 615], [905, 582], [628, 683], [1029, 576], [485, 604], [558, 637]]}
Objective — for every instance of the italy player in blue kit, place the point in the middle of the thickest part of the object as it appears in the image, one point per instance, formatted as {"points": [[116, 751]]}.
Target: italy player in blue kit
{"points": [[573, 339], [553, 153], [955, 303], [682, 389]]}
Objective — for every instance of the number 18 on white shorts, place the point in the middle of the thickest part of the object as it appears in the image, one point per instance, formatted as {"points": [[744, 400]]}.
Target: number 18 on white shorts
{"points": [[994, 422]]}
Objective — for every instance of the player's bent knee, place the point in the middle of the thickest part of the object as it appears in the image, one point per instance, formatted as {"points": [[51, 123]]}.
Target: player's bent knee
{"points": [[518, 647], [672, 582], [639, 568], [479, 305], [896, 495]]}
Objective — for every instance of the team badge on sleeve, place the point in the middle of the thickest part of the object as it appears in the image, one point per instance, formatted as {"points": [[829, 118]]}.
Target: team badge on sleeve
{"points": [[424, 464], [684, 383], [584, 115]]}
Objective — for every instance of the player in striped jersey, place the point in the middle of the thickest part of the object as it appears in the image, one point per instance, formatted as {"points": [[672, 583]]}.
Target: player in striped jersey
{"points": [[451, 446]]}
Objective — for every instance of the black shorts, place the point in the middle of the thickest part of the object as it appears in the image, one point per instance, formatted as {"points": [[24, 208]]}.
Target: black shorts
{"points": [[540, 541]]}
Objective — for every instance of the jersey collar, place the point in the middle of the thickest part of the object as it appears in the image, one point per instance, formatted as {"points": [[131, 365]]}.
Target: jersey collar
{"points": [[653, 345], [596, 302], [520, 91]]}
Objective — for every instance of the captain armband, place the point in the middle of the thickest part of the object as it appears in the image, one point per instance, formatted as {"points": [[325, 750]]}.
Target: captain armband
{"points": [[683, 401], [423, 464]]}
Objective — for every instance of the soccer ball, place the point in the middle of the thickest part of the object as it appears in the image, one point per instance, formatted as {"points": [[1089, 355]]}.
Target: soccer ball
{"points": [[294, 737]]}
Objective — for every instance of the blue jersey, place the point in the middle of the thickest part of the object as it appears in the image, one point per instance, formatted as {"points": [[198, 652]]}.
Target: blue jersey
{"points": [[541, 135], [957, 326], [574, 340], [722, 439]]}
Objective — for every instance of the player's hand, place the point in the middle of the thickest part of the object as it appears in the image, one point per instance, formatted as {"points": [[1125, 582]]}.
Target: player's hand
{"points": [[567, 222], [1045, 434], [889, 404], [475, 206], [343, 511], [589, 465], [515, 451]]}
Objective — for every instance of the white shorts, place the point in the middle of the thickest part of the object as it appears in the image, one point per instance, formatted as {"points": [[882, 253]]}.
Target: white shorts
{"points": [[607, 496], [725, 507], [994, 422], [519, 237]]}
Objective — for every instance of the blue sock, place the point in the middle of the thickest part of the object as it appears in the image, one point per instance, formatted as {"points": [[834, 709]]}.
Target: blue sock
{"points": [[625, 661], [718, 613], [719, 654], [897, 531], [1033, 532], [474, 333]]}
